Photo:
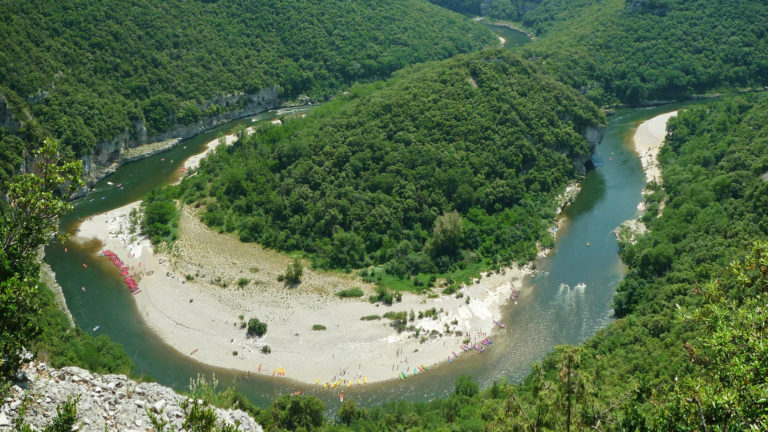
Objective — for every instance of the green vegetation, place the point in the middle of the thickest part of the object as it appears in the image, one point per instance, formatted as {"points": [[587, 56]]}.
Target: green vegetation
{"points": [[85, 76], [642, 50], [28, 219], [29, 315], [160, 219], [370, 318], [65, 420], [318, 327], [632, 51], [256, 327], [293, 273], [447, 166], [352, 292]]}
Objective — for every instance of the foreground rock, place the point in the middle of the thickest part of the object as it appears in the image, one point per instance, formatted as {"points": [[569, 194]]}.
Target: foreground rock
{"points": [[107, 402]]}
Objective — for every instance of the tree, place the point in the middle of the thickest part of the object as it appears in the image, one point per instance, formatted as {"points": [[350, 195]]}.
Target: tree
{"points": [[256, 327], [447, 234], [29, 220], [293, 272], [465, 386], [348, 412]]}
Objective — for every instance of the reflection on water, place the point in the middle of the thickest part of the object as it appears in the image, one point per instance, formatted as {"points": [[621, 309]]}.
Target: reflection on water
{"points": [[545, 314]]}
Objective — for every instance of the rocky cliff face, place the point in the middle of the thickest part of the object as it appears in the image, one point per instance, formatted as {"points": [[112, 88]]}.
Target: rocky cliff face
{"points": [[7, 120], [109, 155], [594, 136], [107, 402]]}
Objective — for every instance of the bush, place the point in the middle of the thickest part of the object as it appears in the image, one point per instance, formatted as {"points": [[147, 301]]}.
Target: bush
{"points": [[256, 327], [382, 295], [266, 349], [293, 273], [352, 292], [370, 318], [318, 327], [242, 282]]}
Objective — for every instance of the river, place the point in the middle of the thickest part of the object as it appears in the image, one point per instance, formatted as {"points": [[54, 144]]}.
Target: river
{"points": [[543, 318]]}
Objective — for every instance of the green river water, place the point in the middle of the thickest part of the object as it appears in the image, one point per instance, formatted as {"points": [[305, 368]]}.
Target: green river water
{"points": [[545, 315]]}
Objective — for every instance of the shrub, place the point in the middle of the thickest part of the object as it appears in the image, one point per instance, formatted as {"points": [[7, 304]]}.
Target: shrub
{"points": [[266, 349], [242, 282], [382, 295], [370, 318], [256, 327], [318, 327], [293, 273], [352, 292]]}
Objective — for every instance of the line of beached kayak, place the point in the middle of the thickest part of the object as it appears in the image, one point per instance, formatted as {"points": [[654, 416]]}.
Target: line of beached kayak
{"points": [[133, 286]]}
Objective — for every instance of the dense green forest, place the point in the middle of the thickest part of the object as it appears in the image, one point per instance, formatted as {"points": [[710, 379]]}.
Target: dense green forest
{"points": [[631, 51], [635, 51], [446, 165], [86, 70]]}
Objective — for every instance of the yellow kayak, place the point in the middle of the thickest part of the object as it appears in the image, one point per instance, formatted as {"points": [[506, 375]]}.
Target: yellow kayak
{"points": [[317, 382], [359, 382], [349, 384], [365, 379]]}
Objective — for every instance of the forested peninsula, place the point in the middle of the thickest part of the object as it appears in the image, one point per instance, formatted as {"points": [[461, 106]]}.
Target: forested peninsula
{"points": [[90, 72], [445, 166]]}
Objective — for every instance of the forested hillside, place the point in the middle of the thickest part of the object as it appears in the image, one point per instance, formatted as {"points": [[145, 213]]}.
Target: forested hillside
{"points": [[639, 50], [85, 69], [635, 51], [446, 165]]}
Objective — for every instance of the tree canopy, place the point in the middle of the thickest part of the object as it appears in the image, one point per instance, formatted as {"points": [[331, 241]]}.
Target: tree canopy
{"points": [[632, 51], [86, 71]]}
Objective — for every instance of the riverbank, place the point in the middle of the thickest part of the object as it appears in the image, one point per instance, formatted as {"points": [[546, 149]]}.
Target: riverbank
{"points": [[193, 299], [647, 142]]}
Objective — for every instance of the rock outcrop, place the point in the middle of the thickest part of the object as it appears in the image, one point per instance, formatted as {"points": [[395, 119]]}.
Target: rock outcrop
{"points": [[594, 136], [7, 120], [107, 402]]}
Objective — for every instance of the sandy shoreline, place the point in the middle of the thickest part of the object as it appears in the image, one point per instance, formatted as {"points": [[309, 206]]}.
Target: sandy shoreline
{"points": [[202, 315], [648, 139]]}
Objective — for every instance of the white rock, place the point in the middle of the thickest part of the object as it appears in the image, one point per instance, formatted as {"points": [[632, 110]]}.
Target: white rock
{"points": [[4, 420], [159, 405]]}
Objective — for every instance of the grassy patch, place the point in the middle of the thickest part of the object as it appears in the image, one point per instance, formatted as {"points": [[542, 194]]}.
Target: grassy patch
{"points": [[352, 292]]}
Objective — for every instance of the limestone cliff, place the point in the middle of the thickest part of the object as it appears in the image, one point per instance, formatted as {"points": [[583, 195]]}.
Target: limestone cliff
{"points": [[107, 402], [594, 136]]}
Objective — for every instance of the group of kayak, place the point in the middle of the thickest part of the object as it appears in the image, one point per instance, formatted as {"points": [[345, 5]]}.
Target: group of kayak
{"points": [[124, 271], [341, 383], [416, 371], [479, 347]]}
